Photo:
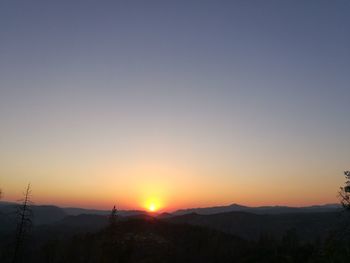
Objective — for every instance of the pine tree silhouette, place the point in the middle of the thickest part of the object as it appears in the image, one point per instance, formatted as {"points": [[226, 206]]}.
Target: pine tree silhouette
{"points": [[113, 217], [344, 192], [24, 222]]}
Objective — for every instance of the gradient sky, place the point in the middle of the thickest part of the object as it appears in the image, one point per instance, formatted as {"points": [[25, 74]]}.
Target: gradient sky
{"points": [[188, 103]]}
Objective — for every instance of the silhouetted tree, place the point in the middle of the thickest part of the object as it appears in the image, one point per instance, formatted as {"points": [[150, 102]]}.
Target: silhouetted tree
{"points": [[113, 217], [344, 192], [24, 222]]}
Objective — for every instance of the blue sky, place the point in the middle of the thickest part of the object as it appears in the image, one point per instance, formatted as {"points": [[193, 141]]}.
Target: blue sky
{"points": [[239, 94]]}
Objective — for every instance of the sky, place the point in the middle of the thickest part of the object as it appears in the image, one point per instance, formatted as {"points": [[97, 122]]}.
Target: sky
{"points": [[174, 103]]}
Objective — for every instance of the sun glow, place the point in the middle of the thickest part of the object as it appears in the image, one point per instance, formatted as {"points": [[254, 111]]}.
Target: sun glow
{"points": [[152, 205]]}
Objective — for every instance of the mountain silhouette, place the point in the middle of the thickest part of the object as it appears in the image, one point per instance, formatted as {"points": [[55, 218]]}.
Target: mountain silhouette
{"points": [[258, 210]]}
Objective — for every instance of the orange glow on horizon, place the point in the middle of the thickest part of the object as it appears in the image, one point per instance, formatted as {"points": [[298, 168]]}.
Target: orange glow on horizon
{"points": [[153, 205]]}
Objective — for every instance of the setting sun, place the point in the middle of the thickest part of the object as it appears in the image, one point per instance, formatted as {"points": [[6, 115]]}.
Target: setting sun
{"points": [[152, 207]]}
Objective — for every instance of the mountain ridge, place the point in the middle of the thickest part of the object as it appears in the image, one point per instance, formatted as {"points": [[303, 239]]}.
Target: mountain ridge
{"points": [[46, 214], [258, 209]]}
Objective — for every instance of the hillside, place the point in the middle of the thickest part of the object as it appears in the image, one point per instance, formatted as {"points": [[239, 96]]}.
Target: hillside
{"points": [[258, 209], [308, 226]]}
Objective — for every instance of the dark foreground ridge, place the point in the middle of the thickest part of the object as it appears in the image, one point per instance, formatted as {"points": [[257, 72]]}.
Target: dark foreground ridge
{"points": [[153, 240], [225, 237]]}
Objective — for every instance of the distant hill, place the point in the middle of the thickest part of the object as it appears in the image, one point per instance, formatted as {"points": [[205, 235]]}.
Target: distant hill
{"points": [[90, 221], [84, 221], [243, 221], [214, 210], [266, 221], [4, 203], [42, 214], [49, 214], [79, 211], [74, 211], [258, 210], [308, 226], [59, 212]]}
